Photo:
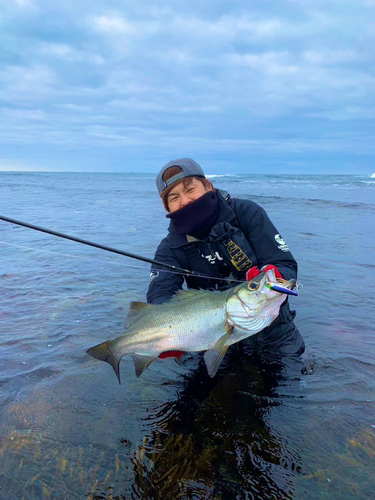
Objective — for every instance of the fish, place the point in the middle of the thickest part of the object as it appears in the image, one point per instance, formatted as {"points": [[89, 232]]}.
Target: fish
{"points": [[194, 321]]}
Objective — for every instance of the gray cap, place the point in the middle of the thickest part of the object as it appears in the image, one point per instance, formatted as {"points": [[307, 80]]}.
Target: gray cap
{"points": [[189, 167]]}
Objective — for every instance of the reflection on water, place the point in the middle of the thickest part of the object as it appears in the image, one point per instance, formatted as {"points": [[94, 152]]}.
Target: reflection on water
{"points": [[210, 441], [251, 432], [218, 443]]}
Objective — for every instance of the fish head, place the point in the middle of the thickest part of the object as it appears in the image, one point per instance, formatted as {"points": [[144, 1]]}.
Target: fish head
{"points": [[252, 305], [247, 299]]}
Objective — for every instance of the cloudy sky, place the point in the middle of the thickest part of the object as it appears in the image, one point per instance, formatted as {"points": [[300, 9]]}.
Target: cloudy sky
{"points": [[273, 86]]}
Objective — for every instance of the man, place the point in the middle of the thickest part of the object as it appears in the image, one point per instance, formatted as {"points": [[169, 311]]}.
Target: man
{"points": [[226, 239]]}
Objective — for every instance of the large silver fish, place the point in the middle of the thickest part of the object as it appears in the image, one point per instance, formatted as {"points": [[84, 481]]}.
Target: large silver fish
{"points": [[192, 321]]}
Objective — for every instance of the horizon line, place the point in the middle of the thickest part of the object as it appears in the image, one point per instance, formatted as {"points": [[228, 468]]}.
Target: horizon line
{"points": [[155, 173]]}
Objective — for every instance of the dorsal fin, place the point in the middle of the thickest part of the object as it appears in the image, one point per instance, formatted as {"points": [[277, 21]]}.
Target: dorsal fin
{"points": [[136, 309], [138, 306], [187, 294]]}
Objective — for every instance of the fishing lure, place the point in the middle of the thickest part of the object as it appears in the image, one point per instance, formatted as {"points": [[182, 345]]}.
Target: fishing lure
{"points": [[276, 287]]}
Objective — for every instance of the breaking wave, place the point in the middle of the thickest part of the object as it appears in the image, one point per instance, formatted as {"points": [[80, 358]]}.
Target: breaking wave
{"points": [[214, 176]]}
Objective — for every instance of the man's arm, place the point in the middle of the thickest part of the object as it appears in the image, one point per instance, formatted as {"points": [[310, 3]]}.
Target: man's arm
{"points": [[163, 283], [265, 239]]}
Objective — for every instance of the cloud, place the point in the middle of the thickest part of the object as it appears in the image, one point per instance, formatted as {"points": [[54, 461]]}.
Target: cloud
{"points": [[113, 25], [24, 3], [60, 51], [227, 27], [270, 62], [227, 78], [347, 113], [27, 83], [329, 57], [152, 106], [23, 114]]}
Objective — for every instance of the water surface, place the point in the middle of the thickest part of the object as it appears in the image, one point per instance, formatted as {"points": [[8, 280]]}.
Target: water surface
{"points": [[69, 431]]}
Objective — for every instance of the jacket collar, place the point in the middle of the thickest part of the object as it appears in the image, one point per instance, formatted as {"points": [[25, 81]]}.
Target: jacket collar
{"points": [[225, 214]]}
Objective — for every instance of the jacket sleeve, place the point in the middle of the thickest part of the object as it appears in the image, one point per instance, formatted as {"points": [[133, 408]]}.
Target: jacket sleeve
{"points": [[163, 283], [267, 243]]}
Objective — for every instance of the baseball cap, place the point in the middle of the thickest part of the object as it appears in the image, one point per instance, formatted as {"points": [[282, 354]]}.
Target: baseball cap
{"points": [[189, 167]]}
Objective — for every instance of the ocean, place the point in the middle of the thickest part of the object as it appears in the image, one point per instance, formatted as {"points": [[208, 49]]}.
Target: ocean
{"points": [[68, 430]]}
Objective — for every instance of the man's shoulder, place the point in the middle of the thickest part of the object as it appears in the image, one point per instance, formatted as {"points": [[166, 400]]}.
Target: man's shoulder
{"points": [[164, 242], [242, 205], [172, 241]]}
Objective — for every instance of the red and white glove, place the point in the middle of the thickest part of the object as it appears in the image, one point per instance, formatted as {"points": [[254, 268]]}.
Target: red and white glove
{"points": [[254, 271], [271, 266]]}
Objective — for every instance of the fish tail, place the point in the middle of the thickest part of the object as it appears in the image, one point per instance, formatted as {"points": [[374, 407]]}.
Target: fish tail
{"points": [[104, 353]]}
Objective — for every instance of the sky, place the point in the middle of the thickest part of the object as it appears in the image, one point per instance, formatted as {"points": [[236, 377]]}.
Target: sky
{"points": [[273, 86]]}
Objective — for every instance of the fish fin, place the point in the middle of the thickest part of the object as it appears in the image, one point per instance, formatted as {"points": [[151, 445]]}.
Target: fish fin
{"points": [[214, 357], [139, 306], [136, 308], [141, 363], [222, 340], [187, 294], [104, 353], [228, 328]]}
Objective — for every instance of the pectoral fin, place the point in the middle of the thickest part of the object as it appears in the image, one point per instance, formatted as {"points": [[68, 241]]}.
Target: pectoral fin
{"points": [[141, 363], [214, 357]]}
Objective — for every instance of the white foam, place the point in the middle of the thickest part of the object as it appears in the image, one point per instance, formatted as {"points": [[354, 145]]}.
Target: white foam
{"points": [[212, 176], [372, 176]]}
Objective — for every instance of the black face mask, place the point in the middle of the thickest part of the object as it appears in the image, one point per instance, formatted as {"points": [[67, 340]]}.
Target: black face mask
{"points": [[198, 216]]}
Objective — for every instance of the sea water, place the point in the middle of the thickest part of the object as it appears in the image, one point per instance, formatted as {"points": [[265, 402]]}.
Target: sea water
{"points": [[69, 431]]}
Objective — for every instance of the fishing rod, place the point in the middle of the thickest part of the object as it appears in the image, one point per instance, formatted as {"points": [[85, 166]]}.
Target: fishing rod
{"points": [[97, 245], [178, 270]]}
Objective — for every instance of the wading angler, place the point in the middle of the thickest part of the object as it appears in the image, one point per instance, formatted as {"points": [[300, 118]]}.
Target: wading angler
{"points": [[222, 240], [222, 237]]}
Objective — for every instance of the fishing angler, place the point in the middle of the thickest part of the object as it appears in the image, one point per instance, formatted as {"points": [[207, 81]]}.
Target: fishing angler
{"points": [[224, 238]]}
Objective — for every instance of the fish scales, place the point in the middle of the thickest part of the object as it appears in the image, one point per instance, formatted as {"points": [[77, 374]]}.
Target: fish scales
{"points": [[185, 328]]}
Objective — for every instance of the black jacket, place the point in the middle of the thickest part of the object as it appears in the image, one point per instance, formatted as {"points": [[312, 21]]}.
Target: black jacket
{"points": [[241, 237]]}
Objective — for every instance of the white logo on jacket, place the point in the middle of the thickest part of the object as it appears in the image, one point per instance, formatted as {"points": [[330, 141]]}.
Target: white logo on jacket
{"points": [[153, 275], [282, 245], [212, 258]]}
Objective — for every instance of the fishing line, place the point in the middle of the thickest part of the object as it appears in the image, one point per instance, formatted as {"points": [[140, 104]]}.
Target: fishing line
{"points": [[114, 263]]}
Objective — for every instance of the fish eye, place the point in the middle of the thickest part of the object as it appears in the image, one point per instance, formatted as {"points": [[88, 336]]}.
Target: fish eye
{"points": [[253, 286]]}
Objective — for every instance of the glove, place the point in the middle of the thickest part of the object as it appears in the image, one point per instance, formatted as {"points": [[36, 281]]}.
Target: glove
{"points": [[252, 273], [268, 267], [171, 354]]}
